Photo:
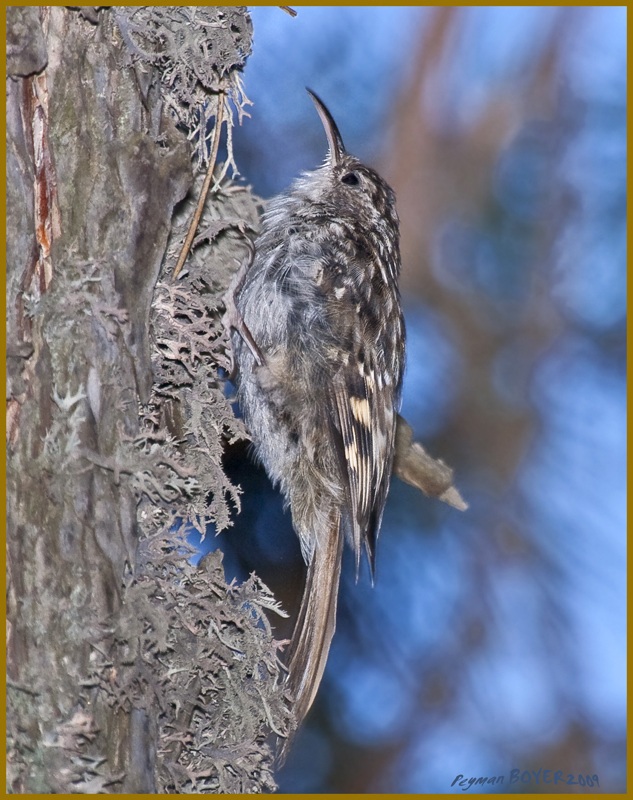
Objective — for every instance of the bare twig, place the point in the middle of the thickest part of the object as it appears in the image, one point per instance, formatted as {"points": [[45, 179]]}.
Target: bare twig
{"points": [[205, 186]]}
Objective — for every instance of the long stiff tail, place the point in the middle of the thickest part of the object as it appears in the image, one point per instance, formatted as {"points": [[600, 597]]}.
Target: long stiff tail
{"points": [[314, 629]]}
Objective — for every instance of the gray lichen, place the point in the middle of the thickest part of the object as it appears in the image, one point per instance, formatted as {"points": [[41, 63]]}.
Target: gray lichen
{"points": [[199, 657], [198, 52]]}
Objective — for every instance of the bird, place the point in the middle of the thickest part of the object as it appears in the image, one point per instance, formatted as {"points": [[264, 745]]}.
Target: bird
{"points": [[318, 344]]}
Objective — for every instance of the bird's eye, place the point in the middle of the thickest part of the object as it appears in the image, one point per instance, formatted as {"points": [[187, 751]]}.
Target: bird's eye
{"points": [[350, 178]]}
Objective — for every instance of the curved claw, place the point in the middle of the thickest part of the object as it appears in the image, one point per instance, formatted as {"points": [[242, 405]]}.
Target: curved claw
{"points": [[232, 318]]}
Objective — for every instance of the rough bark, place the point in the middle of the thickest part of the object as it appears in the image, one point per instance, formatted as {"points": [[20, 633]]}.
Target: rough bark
{"points": [[128, 669]]}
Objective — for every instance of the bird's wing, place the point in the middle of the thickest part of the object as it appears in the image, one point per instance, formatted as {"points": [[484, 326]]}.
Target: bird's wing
{"points": [[363, 427]]}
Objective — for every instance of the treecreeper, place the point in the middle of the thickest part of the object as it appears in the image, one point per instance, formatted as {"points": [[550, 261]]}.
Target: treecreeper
{"points": [[318, 343]]}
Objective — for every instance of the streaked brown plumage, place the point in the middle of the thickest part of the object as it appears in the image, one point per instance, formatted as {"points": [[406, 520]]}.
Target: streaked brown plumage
{"points": [[320, 357]]}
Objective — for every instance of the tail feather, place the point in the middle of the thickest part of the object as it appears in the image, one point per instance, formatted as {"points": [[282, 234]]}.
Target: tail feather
{"points": [[315, 624]]}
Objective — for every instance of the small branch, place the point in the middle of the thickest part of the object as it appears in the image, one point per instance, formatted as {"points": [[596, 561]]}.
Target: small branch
{"points": [[289, 10], [205, 186], [415, 466]]}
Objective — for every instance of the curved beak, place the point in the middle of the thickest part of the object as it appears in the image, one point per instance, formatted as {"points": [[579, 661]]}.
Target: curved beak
{"points": [[335, 142]]}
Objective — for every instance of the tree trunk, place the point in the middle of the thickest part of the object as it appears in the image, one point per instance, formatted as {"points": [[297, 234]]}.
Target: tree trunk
{"points": [[128, 669]]}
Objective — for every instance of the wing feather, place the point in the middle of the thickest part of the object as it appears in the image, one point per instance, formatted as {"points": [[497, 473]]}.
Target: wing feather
{"points": [[362, 414]]}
